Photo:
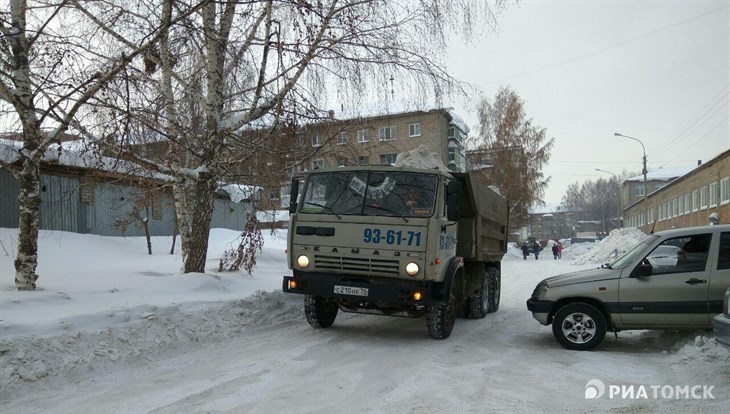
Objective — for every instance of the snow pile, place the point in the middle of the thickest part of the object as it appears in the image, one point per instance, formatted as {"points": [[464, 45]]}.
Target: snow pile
{"points": [[420, 157], [618, 242]]}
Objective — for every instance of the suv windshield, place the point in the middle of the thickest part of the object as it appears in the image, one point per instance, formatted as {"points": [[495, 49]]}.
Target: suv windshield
{"points": [[628, 257], [370, 193]]}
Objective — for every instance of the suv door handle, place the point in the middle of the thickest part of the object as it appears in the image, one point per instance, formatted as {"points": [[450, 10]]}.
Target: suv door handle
{"points": [[695, 281]]}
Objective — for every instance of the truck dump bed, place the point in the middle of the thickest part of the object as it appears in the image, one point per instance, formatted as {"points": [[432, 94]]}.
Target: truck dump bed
{"points": [[483, 220]]}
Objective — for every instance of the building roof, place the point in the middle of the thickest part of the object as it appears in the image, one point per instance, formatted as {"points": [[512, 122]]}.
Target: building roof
{"points": [[663, 174]]}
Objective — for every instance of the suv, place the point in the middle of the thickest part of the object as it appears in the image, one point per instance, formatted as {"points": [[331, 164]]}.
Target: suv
{"points": [[642, 289]]}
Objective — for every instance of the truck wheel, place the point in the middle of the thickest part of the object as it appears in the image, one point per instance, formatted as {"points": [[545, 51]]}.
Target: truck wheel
{"points": [[579, 326], [320, 312], [487, 299], [441, 318], [478, 304], [495, 288]]}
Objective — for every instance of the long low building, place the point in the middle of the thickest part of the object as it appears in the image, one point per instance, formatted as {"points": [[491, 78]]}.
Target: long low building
{"points": [[697, 198]]}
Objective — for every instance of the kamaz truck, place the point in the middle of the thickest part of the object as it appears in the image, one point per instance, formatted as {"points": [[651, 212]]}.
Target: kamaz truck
{"points": [[398, 241]]}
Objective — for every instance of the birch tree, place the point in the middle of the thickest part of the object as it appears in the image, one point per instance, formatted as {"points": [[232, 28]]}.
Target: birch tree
{"points": [[50, 67], [235, 67], [514, 151]]}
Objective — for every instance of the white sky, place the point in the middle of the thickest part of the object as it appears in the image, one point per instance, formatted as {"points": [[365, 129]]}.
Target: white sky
{"points": [[658, 71]]}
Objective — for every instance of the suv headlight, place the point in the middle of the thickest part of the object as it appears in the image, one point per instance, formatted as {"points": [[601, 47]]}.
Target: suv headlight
{"points": [[540, 291]]}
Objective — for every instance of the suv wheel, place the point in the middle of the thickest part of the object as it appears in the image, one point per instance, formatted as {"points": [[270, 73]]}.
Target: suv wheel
{"points": [[579, 326]]}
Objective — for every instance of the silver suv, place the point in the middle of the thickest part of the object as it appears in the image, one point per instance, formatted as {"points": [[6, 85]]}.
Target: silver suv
{"points": [[674, 279], [721, 322]]}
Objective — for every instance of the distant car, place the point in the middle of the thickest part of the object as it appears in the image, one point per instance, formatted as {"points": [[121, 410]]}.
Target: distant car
{"points": [[721, 322], [634, 293], [664, 256]]}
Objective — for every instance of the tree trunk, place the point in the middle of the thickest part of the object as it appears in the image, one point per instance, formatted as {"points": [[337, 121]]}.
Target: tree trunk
{"points": [[201, 218], [29, 201]]}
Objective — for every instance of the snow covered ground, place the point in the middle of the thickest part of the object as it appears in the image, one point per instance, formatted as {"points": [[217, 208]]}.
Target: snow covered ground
{"points": [[112, 329]]}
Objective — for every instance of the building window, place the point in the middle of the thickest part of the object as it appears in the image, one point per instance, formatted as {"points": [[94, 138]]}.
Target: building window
{"points": [[388, 133], [651, 215], [301, 140], [342, 138], [316, 140], [362, 136], [342, 162], [687, 206], [317, 164], [452, 132], [363, 160], [725, 190], [388, 159], [675, 207], [713, 194], [681, 205], [695, 200], [639, 191], [414, 129], [703, 197]]}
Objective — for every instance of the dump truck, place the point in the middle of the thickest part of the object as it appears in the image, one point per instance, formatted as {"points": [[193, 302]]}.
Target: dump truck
{"points": [[398, 241]]}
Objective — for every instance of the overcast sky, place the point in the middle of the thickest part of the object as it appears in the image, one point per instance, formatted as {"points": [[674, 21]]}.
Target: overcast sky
{"points": [[658, 71]]}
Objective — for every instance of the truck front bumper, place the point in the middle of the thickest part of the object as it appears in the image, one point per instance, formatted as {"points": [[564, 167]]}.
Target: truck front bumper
{"points": [[381, 291], [540, 309]]}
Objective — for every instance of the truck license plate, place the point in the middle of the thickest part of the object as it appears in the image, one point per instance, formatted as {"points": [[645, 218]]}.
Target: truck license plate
{"points": [[349, 290]]}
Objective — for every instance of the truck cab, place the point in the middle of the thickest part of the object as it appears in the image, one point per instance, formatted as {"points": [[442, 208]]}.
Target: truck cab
{"points": [[381, 240]]}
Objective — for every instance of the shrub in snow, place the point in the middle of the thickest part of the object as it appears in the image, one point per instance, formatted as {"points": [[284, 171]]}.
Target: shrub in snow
{"points": [[244, 255]]}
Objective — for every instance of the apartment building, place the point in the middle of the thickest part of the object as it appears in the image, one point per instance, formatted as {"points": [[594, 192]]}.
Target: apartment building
{"points": [[696, 198], [377, 140]]}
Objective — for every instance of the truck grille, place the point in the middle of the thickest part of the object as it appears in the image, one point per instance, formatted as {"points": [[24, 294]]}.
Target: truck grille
{"points": [[356, 265]]}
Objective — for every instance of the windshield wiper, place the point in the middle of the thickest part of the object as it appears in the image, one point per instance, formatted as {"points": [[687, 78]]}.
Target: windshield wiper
{"points": [[328, 208], [397, 214]]}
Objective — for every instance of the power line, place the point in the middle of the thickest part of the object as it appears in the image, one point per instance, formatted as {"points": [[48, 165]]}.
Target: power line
{"points": [[607, 48]]}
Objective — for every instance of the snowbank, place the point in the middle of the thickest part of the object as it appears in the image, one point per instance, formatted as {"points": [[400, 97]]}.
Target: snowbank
{"points": [[618, 242]]}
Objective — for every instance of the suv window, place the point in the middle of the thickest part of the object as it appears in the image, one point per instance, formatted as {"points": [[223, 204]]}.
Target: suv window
{"points": [[723, 261], [680, 254]]}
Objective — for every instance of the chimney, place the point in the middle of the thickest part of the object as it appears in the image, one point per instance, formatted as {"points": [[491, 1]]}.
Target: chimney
{"points": [[331, 114], [699, 162]]}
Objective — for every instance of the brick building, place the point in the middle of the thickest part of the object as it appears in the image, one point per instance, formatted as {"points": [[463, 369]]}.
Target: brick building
{"points": [[689, 200]]}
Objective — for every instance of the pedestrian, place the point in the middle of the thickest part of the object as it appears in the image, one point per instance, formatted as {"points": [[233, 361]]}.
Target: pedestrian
{"points": [[560, 250], [555, 251], [536, 250], [525, 250]]}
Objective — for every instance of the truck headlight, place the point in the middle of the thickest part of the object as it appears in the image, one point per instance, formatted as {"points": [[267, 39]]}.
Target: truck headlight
{"points": [[412, 269], [303, 261]]}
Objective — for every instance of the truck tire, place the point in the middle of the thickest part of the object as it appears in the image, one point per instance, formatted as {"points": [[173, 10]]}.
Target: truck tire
{"points": [[579, 326], [478, 305], [494, 279], [320, 312], [440, 319]]}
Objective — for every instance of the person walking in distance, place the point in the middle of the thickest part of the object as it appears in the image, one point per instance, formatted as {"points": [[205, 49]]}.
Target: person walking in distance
{"points": [[525, 251], [555, 251], [536, 250]]}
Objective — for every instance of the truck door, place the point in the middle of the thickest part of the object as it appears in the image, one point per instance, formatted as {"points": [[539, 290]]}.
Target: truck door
{"points": [[676, 292]]}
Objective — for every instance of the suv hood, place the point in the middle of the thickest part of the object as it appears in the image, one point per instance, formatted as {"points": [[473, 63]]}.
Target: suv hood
{"points": [[583, 276]]}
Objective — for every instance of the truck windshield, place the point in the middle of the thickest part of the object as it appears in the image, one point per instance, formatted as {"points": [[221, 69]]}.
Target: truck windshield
{"points": [[370, 193]]}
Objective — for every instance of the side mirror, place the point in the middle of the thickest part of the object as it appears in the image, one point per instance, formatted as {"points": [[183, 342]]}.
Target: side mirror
{"points": [[452, 207], [293, 196], [643, 269], [453, 188]]}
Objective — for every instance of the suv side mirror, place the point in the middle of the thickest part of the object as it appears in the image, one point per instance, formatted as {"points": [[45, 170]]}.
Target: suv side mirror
{"points": [[293, 196], [643, 269]]}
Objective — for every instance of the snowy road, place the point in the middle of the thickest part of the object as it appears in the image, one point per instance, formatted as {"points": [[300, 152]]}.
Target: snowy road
{"points": [[506, 362]]}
